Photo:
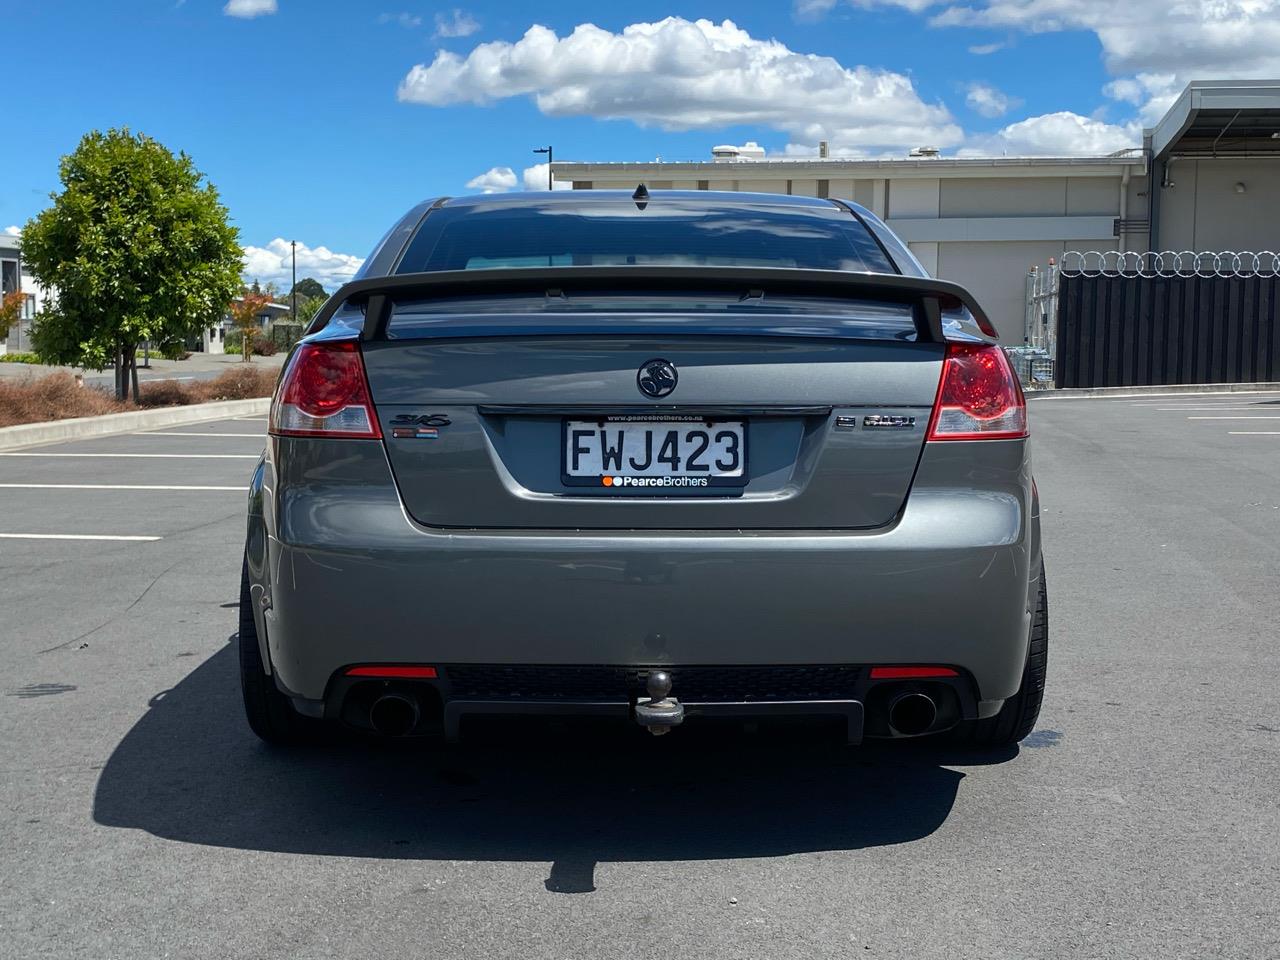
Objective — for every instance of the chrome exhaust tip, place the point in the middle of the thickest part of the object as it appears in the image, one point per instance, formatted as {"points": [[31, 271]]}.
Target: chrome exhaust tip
{"points": [[912, 713]]}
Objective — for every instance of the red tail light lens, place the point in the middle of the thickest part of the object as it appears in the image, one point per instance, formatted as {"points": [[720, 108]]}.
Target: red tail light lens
{"points": [[911, 673], [979, 398], [324, 393], [391, 672]]}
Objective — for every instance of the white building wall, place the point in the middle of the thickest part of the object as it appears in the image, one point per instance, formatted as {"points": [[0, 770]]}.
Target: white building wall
{"points": [[1204, 211], [983, 224]]}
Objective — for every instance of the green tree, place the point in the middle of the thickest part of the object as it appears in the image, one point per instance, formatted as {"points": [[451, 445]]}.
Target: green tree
{"points": [[309, 307], [307, 289], [138, 247]]}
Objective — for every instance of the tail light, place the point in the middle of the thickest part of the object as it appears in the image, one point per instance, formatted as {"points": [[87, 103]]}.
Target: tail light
{"points": [[979, 398], [324, 393]]}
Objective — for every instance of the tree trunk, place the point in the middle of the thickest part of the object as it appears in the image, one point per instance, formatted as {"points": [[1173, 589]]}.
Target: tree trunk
{"points": [[133, 370], [122, 385]]}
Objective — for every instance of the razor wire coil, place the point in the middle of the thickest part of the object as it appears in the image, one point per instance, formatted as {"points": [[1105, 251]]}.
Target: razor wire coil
{"points": [[1170, 263]]}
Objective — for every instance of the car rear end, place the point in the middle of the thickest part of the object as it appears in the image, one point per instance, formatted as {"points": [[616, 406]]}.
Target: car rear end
{"points": [[692, 456]]}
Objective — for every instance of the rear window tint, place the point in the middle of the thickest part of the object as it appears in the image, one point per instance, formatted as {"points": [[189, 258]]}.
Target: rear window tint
{"points": [[668, 231]]}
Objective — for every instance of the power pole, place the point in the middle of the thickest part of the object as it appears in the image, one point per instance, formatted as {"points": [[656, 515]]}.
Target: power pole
{"points": [[293, 312]]}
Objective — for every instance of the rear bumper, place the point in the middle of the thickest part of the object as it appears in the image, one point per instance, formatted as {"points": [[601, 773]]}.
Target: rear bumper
{"points": [[849, 694], [346, 577]]}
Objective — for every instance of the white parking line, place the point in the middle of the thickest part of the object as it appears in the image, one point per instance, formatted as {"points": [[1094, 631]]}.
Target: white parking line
{"points": [[1176, 409], [175, 433], [68, 536], [259, 419], [146, 456], [1233, 418], [1192, 397], [1254, 433], [109, 486]]}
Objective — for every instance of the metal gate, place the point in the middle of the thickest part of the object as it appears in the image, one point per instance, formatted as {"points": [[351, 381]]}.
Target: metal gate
{"points": [[1126, 319]]}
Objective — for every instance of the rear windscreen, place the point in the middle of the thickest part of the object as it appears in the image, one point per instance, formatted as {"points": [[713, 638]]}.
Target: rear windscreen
{"points": [[666, 232]]}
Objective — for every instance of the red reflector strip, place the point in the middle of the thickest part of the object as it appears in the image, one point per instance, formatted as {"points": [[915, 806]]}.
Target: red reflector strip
{"points": [[911, 673], [416, 673]]}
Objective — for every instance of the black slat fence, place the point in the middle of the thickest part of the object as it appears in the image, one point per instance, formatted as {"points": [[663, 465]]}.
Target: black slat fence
{"points": [[1139, 319]]}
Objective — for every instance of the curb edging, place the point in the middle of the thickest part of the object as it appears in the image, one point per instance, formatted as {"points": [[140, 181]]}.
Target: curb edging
{"points": [[82, 428]]}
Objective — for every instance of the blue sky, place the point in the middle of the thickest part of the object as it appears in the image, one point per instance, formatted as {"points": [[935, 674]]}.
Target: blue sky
{"points": [[323, 120]]}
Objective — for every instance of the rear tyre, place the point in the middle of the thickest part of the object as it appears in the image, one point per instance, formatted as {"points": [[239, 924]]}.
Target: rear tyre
{"points": [[1018, 716], [270, 714]]}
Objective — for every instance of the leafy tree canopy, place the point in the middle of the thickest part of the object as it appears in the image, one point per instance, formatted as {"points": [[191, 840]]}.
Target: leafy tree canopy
{"points": [[138, 247], [307, 288]]}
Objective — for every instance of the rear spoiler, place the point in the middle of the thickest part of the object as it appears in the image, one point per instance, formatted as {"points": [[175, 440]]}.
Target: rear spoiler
{"points": [[927, 297]]}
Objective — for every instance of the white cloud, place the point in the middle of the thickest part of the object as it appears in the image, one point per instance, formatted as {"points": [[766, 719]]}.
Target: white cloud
{"points": [[457, 23], [13, 231], [1159, 46], [406, 20], [249, 8], [983, 49], [1062, 134], [1181, 40], [494, 180], [535, 178], [273, 264], [984, 99], [813, 9], [1154, 93], [682, 75]]}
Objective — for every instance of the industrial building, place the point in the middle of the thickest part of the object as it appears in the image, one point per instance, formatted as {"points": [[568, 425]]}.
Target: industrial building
{"points": [[986, 222]]}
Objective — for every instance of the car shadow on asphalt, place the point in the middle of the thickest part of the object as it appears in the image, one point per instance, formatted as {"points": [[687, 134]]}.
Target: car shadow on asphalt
{"points": [[190, 770]]}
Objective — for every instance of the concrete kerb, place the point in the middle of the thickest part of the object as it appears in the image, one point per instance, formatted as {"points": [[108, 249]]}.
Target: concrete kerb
{"points": [[1163, 390], [82, 428]]}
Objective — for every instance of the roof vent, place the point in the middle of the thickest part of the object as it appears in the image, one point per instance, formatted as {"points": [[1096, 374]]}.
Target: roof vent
{"points": [[727, 152], [925, 153]]}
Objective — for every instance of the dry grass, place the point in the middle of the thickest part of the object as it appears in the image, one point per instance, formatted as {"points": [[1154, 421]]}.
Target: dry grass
{"points": [[54, 397], [57, 397]]}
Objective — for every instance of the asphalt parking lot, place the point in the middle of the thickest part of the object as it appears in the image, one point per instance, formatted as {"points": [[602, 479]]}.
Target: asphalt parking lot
{"points": [[1142, 818]]}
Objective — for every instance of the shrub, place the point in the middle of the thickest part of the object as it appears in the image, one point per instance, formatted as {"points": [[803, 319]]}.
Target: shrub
{"points": [[264, 347], [164, 393], [56, 396], [19, 358], [231, 343], [238, 383], [177, 350]]}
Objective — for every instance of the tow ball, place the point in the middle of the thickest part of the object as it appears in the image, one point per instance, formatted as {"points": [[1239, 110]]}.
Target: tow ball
{"points": [[659, 712]]}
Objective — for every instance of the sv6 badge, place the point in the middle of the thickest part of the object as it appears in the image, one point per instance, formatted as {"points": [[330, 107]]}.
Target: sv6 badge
{"points": [[412, 426]]}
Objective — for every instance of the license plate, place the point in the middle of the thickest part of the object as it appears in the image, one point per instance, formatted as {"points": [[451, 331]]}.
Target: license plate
{"points": [[634, 453]]}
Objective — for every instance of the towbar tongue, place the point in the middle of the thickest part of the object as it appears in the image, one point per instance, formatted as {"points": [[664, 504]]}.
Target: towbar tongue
{"points": [[659, 712]]}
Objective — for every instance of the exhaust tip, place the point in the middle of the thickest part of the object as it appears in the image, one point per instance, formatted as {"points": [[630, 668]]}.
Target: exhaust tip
{"points": [[393, 714], [911, 714]]}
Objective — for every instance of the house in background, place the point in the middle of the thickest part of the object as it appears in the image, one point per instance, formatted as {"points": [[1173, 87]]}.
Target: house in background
{"points": [[14, 276], [213, 339]]}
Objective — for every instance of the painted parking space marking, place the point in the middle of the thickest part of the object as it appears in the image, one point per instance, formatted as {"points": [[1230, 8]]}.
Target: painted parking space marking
{"points": [[175, 433], [145, 456], [1254, 433], [1205, 409], [113, 486], [71, 536], [1233, 418], [1192, 397]]}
